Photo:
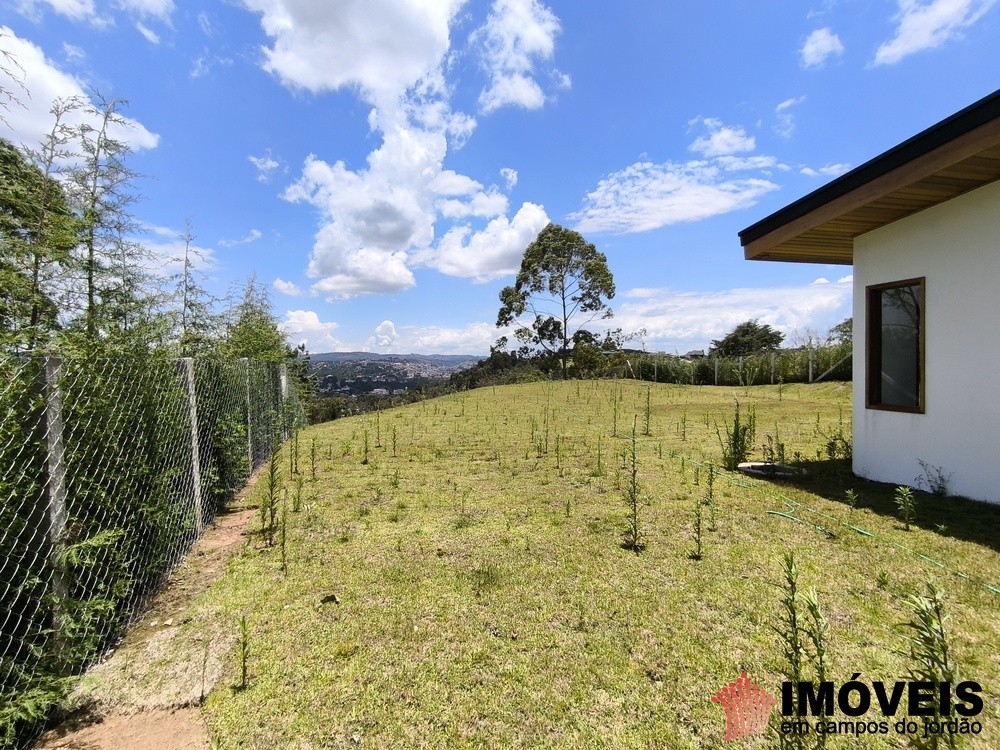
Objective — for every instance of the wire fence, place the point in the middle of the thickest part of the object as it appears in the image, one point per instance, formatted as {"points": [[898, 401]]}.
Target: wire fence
{"points": [[807, 365], [109, 471]]}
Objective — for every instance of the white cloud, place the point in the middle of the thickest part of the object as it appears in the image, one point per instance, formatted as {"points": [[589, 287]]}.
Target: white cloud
{"points": [[384, 338], [74, 10], [819, 47], [830, 170], [925, 25], [73, 53], [85, 11], [492, 253], [510, 177], [373, 218], [382, 46], [150, 36], [474, 338], [305, 327], [744, 163], [647, 196], [265, 165], [681, 320], [721, 140], [484, 204], [159, 9], [46, 82], [786, 120], [205, 24], [287, 288], [204, 63], [200, 67], [355, 273], [516, 34], [252, 236], [379, 220]]}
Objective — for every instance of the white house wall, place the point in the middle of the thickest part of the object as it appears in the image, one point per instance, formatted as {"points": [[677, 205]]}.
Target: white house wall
{"points": [[955, 246]]}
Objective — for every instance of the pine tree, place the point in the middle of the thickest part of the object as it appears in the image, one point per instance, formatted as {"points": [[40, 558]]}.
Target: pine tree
{"points": [[196, 324], [37, 233], [117, 306]]}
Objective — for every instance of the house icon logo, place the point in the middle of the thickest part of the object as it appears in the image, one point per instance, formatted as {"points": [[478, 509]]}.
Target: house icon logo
{"points": [[747, 706]]}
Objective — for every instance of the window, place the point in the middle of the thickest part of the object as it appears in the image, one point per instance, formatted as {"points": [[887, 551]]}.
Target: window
{"points": [[895, 365]]}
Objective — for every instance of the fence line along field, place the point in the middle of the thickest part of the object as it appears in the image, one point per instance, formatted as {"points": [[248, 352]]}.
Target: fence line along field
{"points": [[459, 572], [110, 469]]}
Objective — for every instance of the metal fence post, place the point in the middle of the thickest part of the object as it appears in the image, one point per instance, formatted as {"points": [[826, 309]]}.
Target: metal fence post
{"points": [[283, 378], [57, 511], [245, 365], [199, 518]]}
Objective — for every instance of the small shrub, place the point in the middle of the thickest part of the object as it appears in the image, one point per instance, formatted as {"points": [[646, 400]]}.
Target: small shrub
{"points": [[297, 501], [696, 531], [933, 479], [269, 505], [802, 629], [789, 628], [906, 503], [739, 438], [838, 442], [633, 537], [929, 654], [710, 497], [852, 498], [244, 650]]}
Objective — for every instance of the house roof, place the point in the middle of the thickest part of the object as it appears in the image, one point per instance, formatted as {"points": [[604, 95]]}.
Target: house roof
{"points": [[956, 155]]}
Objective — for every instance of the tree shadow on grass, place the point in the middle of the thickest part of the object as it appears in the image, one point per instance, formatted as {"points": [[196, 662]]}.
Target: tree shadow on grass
{"points": [[950, 516]]}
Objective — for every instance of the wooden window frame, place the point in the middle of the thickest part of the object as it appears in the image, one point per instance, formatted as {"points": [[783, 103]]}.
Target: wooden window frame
{"points": [[873, 346]]}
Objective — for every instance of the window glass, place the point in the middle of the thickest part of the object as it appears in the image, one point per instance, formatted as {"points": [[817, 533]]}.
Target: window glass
{"points": [[895, 358]]}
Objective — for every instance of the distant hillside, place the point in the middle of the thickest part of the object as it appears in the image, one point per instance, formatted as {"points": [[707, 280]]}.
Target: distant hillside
{"points": [[357, 373]]}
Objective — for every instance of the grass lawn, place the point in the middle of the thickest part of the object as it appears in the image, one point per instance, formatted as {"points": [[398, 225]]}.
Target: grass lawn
{"points": [[461, 582]]}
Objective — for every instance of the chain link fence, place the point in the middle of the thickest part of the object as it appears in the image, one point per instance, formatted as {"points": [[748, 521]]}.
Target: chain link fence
{"points": [[783, 366], [109, 471]]}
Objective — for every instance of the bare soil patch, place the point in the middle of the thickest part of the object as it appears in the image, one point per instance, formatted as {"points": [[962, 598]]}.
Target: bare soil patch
{"points": [[146, 692]]}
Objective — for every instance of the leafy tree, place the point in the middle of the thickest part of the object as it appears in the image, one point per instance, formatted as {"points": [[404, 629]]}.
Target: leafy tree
{"points": [[561, 287], [843, 333], [748, 338], [253, 330]]}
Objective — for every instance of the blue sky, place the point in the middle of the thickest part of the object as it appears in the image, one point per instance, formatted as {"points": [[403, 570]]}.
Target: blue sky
{"points": [[382, 164]]}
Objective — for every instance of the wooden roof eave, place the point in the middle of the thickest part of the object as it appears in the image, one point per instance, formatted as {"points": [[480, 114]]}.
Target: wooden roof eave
{"points": [[914, 185]]}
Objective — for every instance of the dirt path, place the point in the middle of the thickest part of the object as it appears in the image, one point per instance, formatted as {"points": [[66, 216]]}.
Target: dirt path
{"points": [[146, 693]]}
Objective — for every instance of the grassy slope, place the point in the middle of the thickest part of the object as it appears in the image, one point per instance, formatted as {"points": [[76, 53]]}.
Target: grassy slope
{"points": [[484, 599]]}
